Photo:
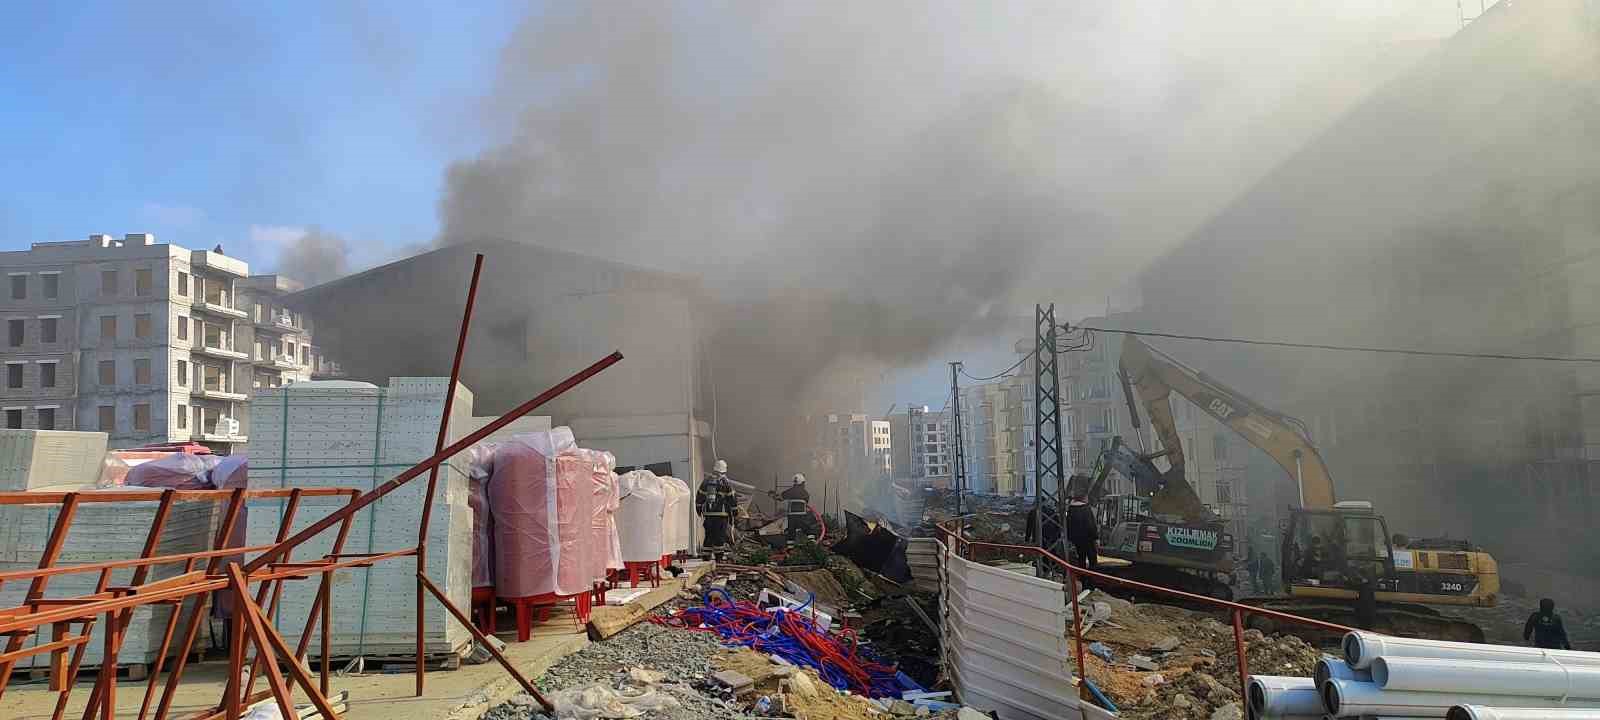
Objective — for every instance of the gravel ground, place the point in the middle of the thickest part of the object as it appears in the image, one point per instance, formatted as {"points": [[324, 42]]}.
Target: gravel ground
{"points": [[682, 656]]}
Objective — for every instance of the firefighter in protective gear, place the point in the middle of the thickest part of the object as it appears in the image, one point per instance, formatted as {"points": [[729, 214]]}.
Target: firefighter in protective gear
{"points": [[716, 503], [797, 510]]}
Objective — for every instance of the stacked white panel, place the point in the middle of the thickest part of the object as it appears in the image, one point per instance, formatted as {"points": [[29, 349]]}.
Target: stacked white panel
{"points": [[33, 459], [100, 533], [358, 435]]}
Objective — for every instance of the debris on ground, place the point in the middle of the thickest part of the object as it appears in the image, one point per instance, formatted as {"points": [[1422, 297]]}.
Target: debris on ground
{"points": [[1159, 661]]}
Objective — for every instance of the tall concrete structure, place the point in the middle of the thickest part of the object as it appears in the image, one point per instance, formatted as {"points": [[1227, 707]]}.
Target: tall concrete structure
{"points": [[145, 341], [1422, 220], [989, 412], [922, 446]]}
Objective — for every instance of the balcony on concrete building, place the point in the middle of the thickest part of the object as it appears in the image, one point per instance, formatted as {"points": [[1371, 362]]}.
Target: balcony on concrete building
{"points": [[213, 260], [216, 307]]}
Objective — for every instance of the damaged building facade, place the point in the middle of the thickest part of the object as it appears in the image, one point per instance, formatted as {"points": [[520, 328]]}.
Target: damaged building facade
{"points": [[1455, 209], [541, 315]]}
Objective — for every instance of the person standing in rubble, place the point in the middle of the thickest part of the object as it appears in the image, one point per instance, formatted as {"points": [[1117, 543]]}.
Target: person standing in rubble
{"points": [[1083, 532], [1545, 629], [716, 503], [796, 510]]}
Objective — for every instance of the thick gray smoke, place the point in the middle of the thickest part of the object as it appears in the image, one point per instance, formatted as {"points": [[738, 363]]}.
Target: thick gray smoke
{"points": [[867, 180], [315, 257]]}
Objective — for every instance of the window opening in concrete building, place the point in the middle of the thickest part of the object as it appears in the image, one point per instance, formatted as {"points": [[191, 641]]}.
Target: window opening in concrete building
{"points": [[183, 284], [141, 371], [183, 328], [108, 372], [47, 330], [305, 355], [52, 285], [108, 327], [141, 325], [108, 418], [47, 374], [213, 379], [19, 287], [216, 294], [14, 333], [13, 419], [141, 417], [183, 416], [47, 418], [144, 283], [108, 282], [183, 373], [14, 375], [261, 350], [215, 337]]}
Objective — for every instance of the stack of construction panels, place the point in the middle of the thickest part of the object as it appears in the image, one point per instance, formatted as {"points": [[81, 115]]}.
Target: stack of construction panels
{"points": [[349, 434], [102, 532], [56, 459], [1409, 677]]}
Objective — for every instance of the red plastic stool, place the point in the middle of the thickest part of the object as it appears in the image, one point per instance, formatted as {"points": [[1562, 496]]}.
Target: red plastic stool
{"points": [[666, 560], [543, 602], [646, 569], [483, 606]]}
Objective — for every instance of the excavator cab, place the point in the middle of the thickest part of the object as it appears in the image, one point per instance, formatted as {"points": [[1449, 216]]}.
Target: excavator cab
{"points": [[1332, 549]]}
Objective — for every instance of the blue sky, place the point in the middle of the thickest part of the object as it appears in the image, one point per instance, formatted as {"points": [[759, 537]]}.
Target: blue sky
{"points": [[213, 122]]}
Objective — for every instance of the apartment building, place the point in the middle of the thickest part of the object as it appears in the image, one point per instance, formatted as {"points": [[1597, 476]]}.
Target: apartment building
{"points": [[144, 341], [922, 448], [279, 339], [989, 436]]}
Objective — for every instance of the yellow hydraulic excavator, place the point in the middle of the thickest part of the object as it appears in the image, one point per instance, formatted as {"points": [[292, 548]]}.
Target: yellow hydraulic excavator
{"points": [[1334, 555]]}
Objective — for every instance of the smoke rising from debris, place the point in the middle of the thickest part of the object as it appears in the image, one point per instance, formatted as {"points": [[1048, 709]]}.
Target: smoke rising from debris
{"points": [[860, 183], [315, 257]]}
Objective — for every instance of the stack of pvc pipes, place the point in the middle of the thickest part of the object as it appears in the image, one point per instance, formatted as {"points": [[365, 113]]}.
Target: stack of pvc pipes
{"points": [[1389, 677]]}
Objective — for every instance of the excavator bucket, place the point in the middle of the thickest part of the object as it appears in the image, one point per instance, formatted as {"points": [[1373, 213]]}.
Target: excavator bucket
{"points": [[1177, 498]]}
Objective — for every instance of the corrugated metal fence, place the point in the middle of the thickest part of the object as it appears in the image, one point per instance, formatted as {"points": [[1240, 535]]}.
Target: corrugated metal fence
{"points": [[1006, 641]]}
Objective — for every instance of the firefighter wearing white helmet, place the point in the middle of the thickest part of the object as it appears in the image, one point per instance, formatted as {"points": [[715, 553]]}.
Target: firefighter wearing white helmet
{"points": [[796, 509], [716, 503]]}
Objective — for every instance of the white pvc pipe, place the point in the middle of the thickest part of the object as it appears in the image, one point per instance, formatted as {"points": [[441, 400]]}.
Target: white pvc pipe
{"points": [[1479, 712], [1491, 678], [1273, 696], [1350, 698], [1361, 647], [1329, 668]]}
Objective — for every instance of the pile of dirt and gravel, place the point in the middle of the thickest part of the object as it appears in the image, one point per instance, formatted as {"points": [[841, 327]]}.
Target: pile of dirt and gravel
{"points": [[1159, 661]]}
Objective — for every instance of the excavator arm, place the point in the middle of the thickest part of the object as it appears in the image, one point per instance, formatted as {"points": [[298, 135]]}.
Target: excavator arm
{"points": [[1158, 375]]}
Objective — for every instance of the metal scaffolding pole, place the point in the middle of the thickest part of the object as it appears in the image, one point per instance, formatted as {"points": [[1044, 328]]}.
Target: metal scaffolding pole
{"points": [[1050, 504]]}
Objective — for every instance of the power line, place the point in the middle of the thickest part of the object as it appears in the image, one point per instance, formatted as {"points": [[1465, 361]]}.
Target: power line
{"points": [[1000, 374], [1349, 348]]}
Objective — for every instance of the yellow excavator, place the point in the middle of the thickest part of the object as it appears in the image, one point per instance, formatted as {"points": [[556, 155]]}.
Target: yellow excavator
{"points": [[1339, 563]]}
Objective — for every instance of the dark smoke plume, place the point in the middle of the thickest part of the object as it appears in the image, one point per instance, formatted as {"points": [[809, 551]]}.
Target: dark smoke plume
{"points": [[861, 183], [315, 257]]}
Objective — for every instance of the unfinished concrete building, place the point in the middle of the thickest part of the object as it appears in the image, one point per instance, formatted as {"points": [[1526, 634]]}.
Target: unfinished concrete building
{"points": [[144, 341], [1455, 209]]}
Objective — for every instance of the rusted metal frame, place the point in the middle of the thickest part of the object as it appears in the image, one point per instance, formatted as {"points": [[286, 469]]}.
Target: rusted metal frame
{"points": [[433, 473], [49, 647], [1077, 622], [129, 563], [268, 642], [244, 606], [275, 587], [192, 627], [108, 668], [323, 604], [483, 641], [1238, 650], [373, 495], [152, 540], [168, 594], [232, 704], [52, 551], [222, 713], [35, 497]]}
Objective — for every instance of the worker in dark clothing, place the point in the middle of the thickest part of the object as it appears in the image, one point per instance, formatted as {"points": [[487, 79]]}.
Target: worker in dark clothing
{"points": [[1545, 629], [716, 503], [1083, 532], [797, 523]]}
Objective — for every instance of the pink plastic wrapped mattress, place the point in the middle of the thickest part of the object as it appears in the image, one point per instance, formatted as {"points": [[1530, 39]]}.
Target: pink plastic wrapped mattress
{"points": [[607, 553], [480, 465], [541, 495], [179, 471]]}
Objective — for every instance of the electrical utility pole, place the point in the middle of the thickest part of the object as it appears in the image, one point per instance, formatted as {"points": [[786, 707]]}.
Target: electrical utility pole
{"points": [[961, 451], [1050, 505]]}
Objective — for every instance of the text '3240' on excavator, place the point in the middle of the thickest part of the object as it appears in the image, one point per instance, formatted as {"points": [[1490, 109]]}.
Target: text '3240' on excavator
{"points": [[1339, 561]]}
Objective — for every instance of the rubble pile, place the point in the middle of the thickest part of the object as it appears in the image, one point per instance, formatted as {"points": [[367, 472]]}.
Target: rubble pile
{"points": [[1159, 661]]}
